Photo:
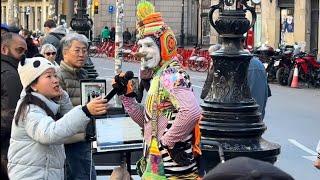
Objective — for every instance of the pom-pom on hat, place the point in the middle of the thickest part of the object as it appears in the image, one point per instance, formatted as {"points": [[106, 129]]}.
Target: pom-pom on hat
{"points": [[150, 23], [31, 68]]}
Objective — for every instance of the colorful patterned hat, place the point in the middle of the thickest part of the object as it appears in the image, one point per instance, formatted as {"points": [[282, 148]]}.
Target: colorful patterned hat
{"points": [[150, 23]]}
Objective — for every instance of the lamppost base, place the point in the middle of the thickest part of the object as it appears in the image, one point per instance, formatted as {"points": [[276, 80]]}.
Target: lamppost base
{"points": [[248, 147], [238, 128]]}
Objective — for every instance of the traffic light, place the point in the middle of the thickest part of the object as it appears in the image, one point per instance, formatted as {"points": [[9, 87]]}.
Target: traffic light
{"points": [[96, 6]]}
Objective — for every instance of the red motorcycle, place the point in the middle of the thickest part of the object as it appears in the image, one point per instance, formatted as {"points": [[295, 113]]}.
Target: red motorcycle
{"points": [[308, 68]]}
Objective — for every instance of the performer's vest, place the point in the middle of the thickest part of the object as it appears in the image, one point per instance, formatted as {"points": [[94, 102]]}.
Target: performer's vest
{"points": [[169, 108]]}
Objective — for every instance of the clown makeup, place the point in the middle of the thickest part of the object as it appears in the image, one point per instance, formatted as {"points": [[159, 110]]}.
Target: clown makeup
{"points": [[149, 47]]}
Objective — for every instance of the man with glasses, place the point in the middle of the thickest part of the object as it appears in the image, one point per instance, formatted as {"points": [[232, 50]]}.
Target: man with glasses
{"points": [[13, 48], [78, 155]]}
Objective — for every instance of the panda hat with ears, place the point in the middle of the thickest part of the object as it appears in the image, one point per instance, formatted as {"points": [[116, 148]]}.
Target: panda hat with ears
{"points": [[31, 68]]}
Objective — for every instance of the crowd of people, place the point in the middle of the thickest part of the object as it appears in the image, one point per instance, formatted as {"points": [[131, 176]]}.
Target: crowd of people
{"points": [[42, 120], [110, 34], [43, 123]]}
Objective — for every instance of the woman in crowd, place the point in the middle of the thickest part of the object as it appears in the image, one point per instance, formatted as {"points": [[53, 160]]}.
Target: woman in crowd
{"points": [[32, 48], [36, 146], [49, 52]]}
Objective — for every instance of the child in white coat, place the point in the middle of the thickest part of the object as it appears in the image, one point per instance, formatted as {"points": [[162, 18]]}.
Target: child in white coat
{"points": [[36, 148]]}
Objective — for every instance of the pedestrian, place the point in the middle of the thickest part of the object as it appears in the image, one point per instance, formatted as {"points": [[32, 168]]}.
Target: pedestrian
{"points": [[74, 50], [317, 161], [32, 48], [171, 112], [246, 168], [133, 37], [105, 34], [49, 52], [36, 146], [53, 37], [113, 34], [258, 84], [13, 48], [126, 36], [49, 25]]}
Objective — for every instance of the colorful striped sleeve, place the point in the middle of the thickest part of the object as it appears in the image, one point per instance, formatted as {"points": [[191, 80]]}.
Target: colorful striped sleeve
{"points": [[189, 113], [135, 110]]}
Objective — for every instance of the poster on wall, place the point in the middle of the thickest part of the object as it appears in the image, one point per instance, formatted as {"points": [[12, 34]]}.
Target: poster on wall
{"points": [[288, 24]]}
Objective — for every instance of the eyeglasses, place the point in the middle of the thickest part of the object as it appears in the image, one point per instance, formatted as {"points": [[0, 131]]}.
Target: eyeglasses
{"points": [[78, 51], [51, 53]]}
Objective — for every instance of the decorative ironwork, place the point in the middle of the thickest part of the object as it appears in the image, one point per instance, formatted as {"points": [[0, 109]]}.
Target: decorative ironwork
{"points": [[230, 115]]}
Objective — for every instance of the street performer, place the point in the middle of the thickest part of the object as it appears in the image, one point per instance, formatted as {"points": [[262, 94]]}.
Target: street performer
{"points": [[179, 112]]}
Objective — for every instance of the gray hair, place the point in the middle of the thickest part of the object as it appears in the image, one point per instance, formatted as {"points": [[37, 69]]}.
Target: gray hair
{"points": [[69, 38], [47, 47]]}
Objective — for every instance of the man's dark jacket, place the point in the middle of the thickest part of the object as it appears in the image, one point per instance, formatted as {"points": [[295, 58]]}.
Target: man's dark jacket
{"points": [[11, 88]]}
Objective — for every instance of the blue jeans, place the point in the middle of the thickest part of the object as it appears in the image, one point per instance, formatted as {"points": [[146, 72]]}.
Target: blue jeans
{"points": [[78, 162]]}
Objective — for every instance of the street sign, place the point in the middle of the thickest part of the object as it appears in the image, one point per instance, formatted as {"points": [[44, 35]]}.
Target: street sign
{"points": [[111, 9]]}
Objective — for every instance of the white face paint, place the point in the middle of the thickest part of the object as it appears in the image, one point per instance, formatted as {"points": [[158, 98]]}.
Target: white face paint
{"points": [[149, 47]]}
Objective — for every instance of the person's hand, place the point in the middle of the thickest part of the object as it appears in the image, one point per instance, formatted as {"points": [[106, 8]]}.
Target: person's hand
{"points": [[59, 96], [123, 85], [97, 106], [178, 154], [317, 163]]}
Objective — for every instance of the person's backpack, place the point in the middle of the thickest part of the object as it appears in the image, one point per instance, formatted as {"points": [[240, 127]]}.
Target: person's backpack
{"points": [[59, 56]]}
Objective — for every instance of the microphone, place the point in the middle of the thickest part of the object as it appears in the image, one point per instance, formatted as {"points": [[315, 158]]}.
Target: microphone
{"points": [[121, 80]]}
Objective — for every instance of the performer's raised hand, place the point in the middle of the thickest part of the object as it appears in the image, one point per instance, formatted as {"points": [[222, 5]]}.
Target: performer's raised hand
{"points": [[123, 84]]}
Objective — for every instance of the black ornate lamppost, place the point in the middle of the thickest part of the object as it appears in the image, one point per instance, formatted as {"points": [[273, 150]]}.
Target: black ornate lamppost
{"points": [[83, 24], [230, 115]]}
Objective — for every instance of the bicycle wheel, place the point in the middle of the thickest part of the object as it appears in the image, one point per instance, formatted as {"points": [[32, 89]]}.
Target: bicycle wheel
{"points": [[202, 64], [192, 65]]}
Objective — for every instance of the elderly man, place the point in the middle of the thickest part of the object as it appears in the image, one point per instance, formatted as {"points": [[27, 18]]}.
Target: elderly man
{"points": [[171, 112], [74, 50], [13, 48]]}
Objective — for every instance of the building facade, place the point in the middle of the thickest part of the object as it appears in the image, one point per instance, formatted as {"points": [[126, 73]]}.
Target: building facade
{"points": [[285, 22], [171, 11], [29, 14]]}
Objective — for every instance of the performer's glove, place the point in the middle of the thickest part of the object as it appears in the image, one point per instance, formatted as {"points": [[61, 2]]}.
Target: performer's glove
{"points": [[123, 85], [178, 154]]}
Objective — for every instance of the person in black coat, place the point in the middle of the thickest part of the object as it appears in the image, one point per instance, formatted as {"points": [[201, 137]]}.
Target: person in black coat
{"points": [[13, 48], [32, 48]]}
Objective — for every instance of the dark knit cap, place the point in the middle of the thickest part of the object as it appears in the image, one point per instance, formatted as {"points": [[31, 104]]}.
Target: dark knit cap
{"points": [[244, 168]]}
